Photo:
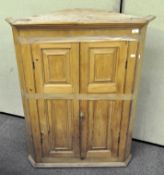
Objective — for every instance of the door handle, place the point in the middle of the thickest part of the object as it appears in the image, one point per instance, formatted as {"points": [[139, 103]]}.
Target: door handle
{"points": [[81, 115], [82, 133]]}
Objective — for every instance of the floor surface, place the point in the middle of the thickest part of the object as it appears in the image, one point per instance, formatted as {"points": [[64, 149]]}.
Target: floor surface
{"points": [[147, 159]]}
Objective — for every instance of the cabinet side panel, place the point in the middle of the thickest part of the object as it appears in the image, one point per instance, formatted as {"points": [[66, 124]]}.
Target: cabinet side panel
{"points": [[24, 61], [136, 84], [22, 85], [128, 89], [32, 103]]}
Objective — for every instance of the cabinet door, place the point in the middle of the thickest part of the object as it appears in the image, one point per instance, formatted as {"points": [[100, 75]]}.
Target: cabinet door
{"points": [[56, 67], [102, 67], [100, 129], [56, 73], [102, 72]]}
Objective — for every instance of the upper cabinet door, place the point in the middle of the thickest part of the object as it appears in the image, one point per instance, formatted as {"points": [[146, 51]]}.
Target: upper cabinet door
{"points": [[56, 67], [102, 66]]}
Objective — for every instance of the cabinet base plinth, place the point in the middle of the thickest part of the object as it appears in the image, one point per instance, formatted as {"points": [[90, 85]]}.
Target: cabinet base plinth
{"points": [[79, 164]]}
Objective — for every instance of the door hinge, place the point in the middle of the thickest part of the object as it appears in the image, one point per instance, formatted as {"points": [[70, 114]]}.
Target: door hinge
{"points": [[41, 137], [33, 64], [126, 64]]}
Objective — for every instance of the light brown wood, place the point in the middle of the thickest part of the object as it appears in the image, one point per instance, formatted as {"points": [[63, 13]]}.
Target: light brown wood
{"points": [[104, 62], [82, 16], [79, 163], [58, 129], [79, 71], [129, 88], [136, 84], [78, 96], [56, 67], [102, 119]]}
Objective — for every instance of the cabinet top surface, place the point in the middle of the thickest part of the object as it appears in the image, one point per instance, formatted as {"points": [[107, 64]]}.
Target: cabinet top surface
{"points": [[81, 17]]}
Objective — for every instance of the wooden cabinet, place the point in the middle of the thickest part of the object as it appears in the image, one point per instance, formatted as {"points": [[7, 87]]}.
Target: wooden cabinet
{"points": [[79, 71]]}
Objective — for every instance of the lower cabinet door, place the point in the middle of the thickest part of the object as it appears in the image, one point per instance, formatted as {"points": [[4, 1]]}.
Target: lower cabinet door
{"points": [[59, 126], [100, 130]]}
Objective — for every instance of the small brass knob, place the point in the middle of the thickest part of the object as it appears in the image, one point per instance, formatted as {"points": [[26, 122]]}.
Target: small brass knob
{"points": [[81, 115]]}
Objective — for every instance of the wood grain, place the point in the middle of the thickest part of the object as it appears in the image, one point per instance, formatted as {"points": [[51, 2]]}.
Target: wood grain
{"points": [[79, 71], [93, 51], [82, 16]]}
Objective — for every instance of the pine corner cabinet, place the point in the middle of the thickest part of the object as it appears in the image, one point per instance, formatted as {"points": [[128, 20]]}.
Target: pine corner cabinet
{"points": [[79, 71]]}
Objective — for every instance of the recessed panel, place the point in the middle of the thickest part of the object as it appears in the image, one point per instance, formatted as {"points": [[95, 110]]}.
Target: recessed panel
{"points": [[57, 70], [104, 117], [100, 125], [56, 65], [102, 64], [60, 117]]}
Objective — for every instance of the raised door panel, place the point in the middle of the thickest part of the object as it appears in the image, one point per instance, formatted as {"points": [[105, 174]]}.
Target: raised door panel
{"points": [[59, 128], [56, 67], [103, 66]]}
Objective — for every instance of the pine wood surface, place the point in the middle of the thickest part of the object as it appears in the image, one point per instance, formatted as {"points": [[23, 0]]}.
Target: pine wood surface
{"points": [[81, 16], [79, 85]]}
